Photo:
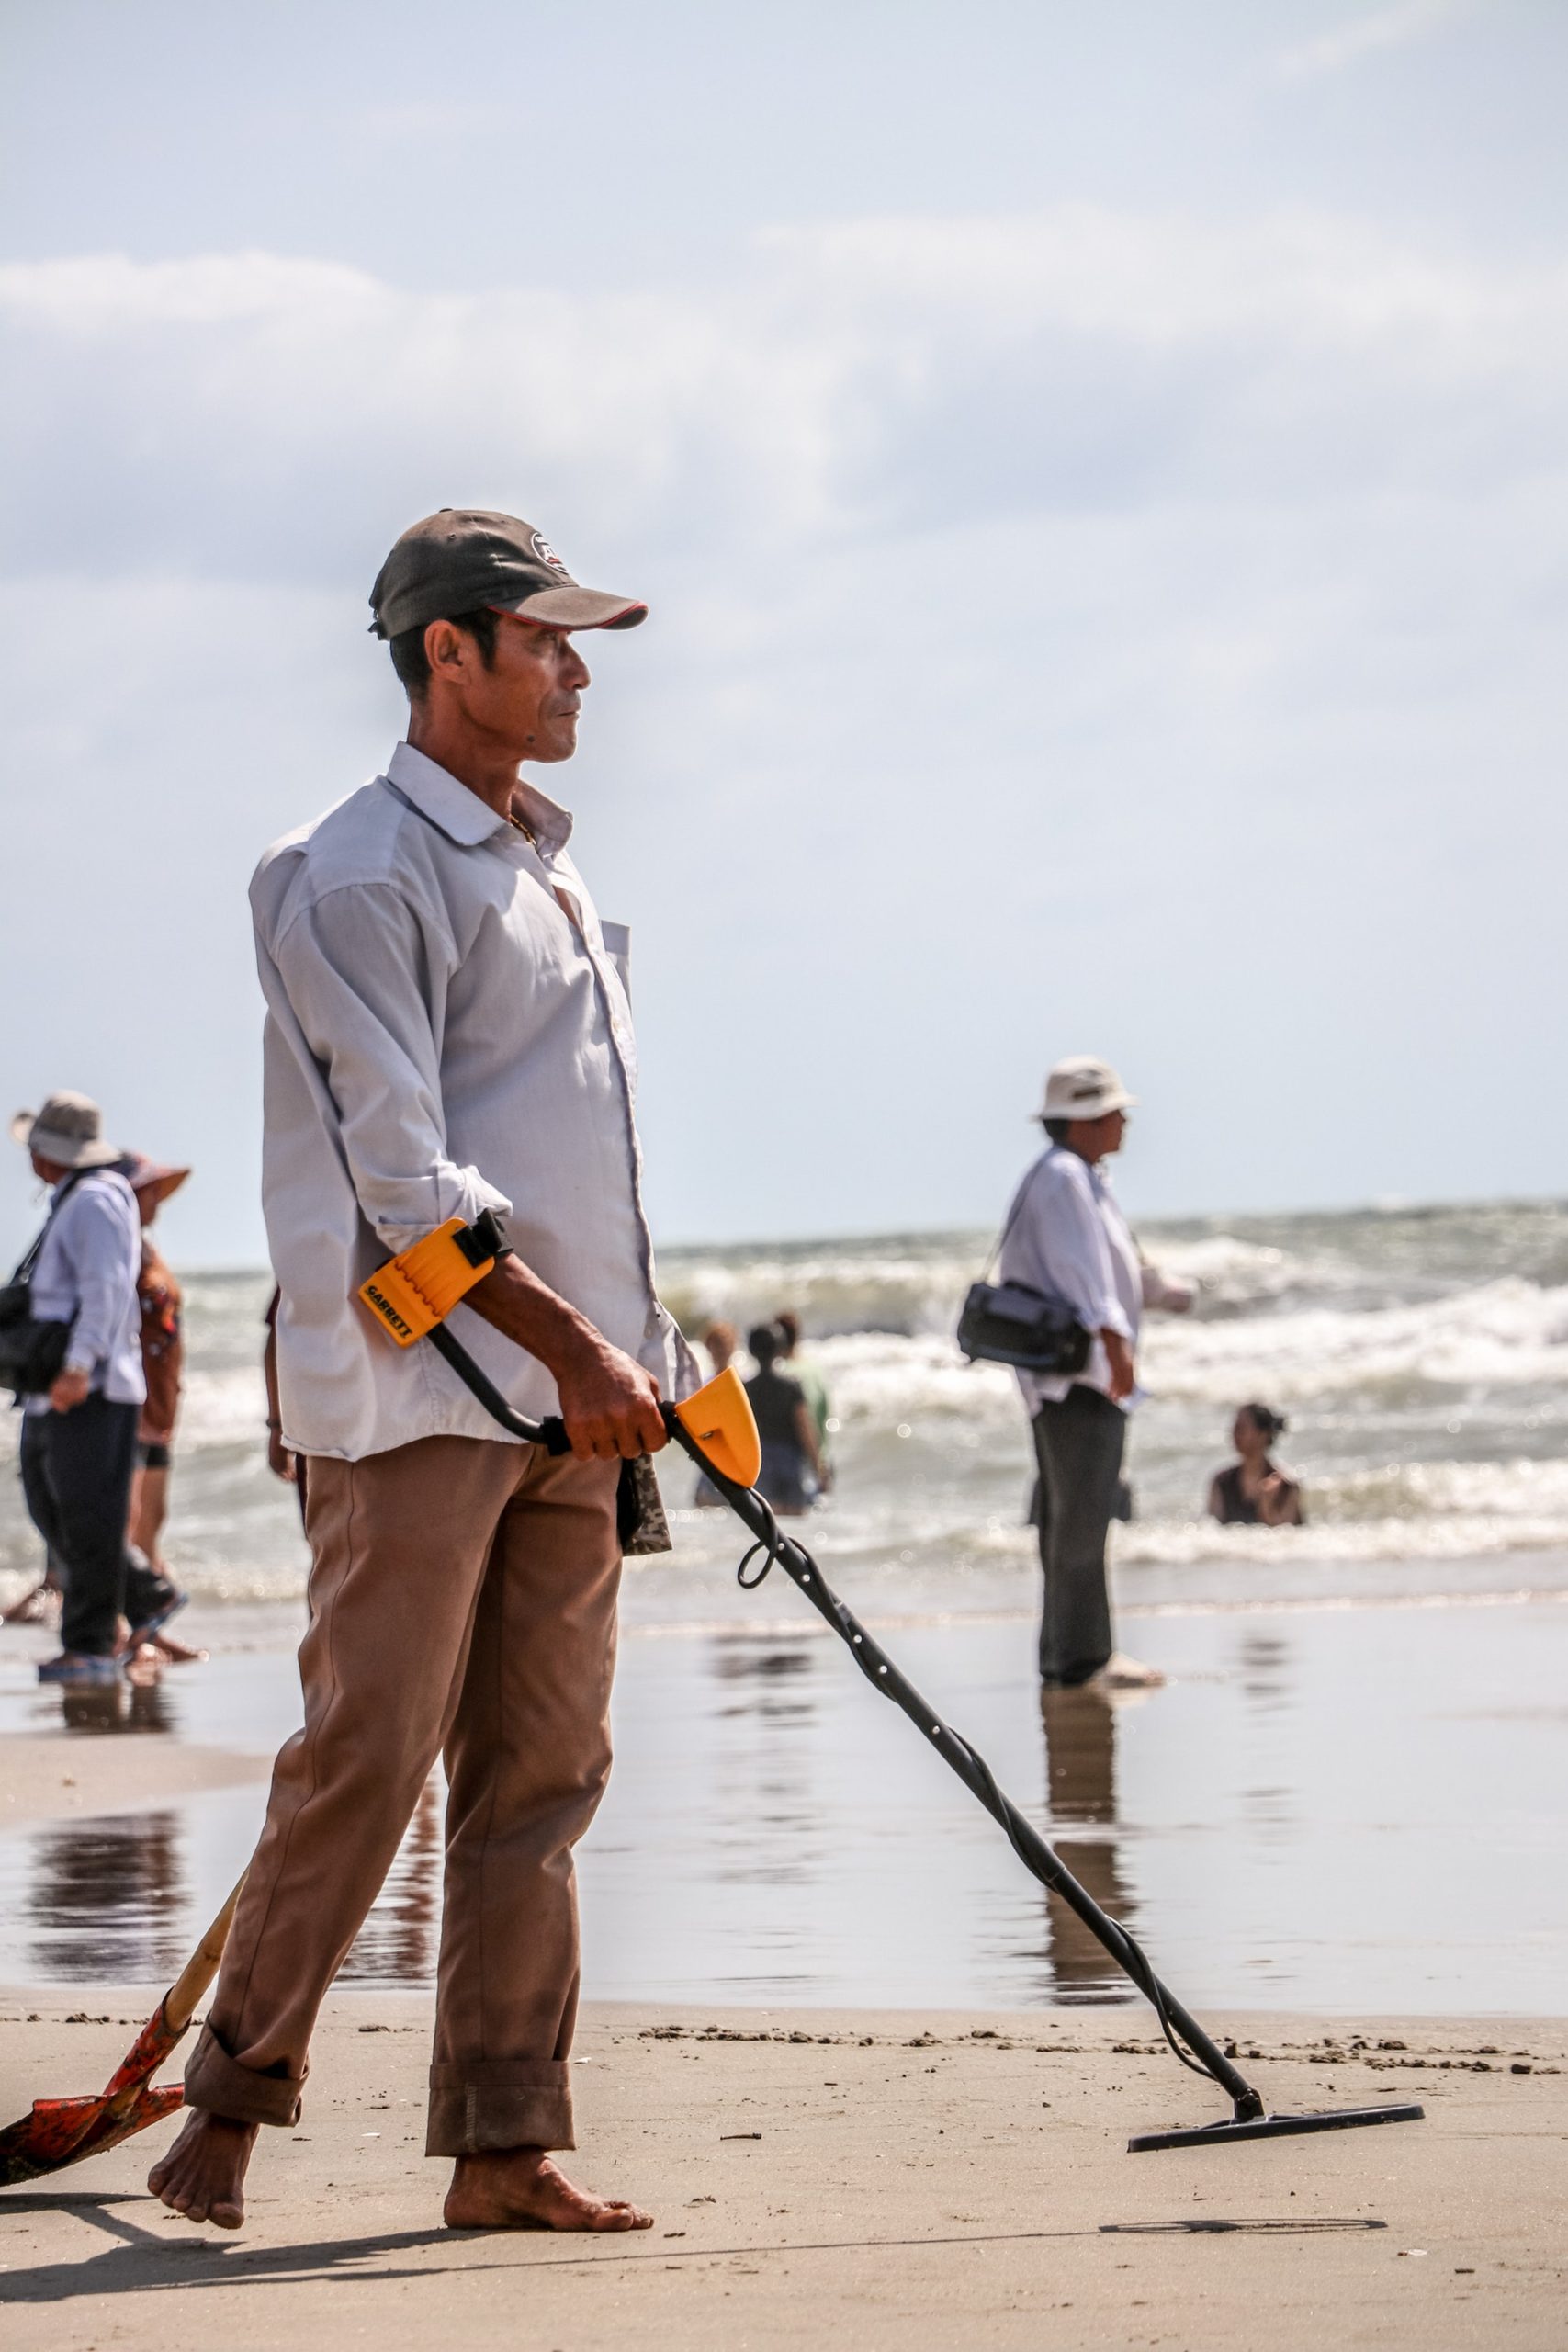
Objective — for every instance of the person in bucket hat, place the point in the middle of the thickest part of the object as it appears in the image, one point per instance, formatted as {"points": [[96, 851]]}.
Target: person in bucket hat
{"points": [[162, 1366], [78, 1445], [1066, 1238]]}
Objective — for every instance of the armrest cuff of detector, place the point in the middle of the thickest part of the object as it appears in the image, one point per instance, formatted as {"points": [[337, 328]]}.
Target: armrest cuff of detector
{"points": [[419, 1288]]}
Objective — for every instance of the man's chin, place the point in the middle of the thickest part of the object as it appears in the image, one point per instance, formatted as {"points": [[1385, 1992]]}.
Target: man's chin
{"points": [[559, 744]]}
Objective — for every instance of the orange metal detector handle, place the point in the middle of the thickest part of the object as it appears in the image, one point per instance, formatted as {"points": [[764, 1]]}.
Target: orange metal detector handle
{"points": [[418, 1289], [413, 1293]]}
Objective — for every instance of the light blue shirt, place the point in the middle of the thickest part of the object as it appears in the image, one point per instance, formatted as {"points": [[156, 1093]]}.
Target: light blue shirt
{"points": [[86, 1275], [1066, 1238]]}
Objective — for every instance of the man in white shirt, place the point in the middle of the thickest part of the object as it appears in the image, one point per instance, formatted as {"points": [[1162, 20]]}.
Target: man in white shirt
{"points": [[448, 1034], [1066, 1238], [78, 1448]]}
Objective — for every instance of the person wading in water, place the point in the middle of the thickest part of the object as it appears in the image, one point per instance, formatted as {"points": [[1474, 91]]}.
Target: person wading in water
{"points": [[1254, 1491]]}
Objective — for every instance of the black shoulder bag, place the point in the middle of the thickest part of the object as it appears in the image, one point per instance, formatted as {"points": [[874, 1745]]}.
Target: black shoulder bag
{"points": [[31, 1351], [1009, 1323]]}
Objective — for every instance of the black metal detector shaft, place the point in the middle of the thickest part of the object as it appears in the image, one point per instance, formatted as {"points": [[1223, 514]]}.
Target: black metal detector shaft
{"points": [[1190, 2044]]}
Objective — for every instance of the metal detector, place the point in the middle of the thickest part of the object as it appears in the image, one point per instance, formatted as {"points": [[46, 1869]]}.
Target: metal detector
{"points": [[716, 1428]]}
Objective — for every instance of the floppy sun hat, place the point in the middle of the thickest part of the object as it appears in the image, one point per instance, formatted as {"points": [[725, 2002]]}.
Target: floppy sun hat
{"points": [[1084, 1088], [144, 1175], [466, 557], [69, 1129]]}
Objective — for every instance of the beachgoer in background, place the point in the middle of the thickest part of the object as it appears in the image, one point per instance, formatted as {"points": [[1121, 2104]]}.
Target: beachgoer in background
{"points": [[721, 1344], [289, 1467], [162, 1365], [1066, 1238], [791, 1476], [78, 1446], [801, 1368], [163, 1356], [1254, 1492]]}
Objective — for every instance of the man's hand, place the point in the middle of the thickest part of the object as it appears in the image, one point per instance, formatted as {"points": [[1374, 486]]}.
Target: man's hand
{"points": [[609, 1404], [1119, 1357], [279, 1461], [68, 1390]]}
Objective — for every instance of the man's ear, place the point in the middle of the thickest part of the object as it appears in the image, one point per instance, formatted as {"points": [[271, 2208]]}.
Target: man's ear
{"points": [[443, 645]]}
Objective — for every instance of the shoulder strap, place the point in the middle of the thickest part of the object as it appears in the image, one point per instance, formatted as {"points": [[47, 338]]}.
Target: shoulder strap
{"points": [[25, 1270], [999, 1244]]}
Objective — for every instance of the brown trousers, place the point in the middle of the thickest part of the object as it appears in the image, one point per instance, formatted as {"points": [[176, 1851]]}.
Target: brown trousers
{"points": [[462, 1604]]}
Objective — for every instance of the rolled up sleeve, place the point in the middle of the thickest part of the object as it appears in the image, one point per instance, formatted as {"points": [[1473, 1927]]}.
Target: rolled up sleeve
{"points": [[364, 972]]}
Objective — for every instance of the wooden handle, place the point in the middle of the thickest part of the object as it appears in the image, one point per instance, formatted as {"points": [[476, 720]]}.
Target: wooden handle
{"points": [[180, 2000]]}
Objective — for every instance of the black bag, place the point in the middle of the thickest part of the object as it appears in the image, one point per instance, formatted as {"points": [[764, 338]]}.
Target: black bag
{"points": [[32, 1352], [1011, 1323]]}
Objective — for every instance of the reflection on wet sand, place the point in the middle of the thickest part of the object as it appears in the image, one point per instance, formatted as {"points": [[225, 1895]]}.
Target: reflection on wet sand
{"points": [[108, 1899], [122, 1706], [1080, 1782], [1277, 1824], [770, 1818]]}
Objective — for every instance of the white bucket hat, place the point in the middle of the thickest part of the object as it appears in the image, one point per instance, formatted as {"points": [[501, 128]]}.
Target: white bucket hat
{"points": [[1084, 1088], [69, 1130]]}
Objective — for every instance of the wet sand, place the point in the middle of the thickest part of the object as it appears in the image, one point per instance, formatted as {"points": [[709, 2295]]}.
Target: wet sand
{"points": [[862, 2177], [1280, 1826], [54, 1776]]}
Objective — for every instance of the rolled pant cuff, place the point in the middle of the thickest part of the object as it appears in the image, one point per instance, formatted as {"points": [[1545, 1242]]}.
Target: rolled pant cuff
{"points": [[219, 2085], [497, 2104]]}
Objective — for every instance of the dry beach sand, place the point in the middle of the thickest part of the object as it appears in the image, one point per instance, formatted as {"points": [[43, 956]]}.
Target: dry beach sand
{"points": [[842, 2177]]}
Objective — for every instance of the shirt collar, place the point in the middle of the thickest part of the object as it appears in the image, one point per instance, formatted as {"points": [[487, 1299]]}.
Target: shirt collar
{"points": [[461, 815]]}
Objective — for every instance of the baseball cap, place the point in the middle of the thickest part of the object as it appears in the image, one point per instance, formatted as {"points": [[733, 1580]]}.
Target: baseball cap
{"points": [[464, 558], [1084, 1088], [69, 1130]]}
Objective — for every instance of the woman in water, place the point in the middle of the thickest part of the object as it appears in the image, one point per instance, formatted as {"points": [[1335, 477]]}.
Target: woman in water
{"points": [[792, 1463], [1255, 1492]]}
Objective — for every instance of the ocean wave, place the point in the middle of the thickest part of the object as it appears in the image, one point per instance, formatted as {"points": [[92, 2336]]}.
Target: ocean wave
{"points": [[1504, 1333]]}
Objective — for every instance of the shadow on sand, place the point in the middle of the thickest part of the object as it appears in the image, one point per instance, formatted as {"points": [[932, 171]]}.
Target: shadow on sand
{"points": [[142, 2262]]}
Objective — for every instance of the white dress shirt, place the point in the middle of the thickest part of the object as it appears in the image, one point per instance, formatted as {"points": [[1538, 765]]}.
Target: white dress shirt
{"points": [[1066, 1236], [85, 1274], [442, 1038]]}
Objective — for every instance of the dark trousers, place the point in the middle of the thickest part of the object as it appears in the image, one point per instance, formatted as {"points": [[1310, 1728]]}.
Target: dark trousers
{"points": [[76, 1471], [1077, 1445]]}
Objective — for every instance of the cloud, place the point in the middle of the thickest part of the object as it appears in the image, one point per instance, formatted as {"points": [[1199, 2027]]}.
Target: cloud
{"points": [[1081, 627], [1385, 28], [249, 416]]}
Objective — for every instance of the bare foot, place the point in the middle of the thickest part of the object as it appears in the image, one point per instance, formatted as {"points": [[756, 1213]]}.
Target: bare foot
{"points": [[520, 2188], [1123, 1673], [203, 2175], [177, 1653]]}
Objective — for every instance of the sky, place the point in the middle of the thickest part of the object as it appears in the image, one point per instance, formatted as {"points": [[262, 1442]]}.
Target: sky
{"points": [[1099, 472]]}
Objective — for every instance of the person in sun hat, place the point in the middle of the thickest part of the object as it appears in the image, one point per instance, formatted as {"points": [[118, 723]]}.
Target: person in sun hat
{"points": [[1066, 1236], [448, 1036], [78, 1446], [162, 1366]]}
